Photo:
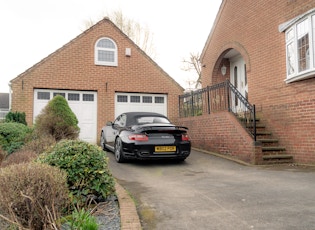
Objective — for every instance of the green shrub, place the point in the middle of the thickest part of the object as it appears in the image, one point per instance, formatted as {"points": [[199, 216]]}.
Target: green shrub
{"points": [[57, 120], [33, 195], [86, 165], [12, 136], [18, 117]]}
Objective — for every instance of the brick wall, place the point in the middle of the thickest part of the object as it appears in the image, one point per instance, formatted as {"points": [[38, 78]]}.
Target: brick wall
{"points": [[221, 132], [252, 28], [294, 124], [72, 67]]}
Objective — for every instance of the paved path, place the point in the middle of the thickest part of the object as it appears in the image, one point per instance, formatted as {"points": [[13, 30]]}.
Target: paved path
{"points": [[207, 192]]}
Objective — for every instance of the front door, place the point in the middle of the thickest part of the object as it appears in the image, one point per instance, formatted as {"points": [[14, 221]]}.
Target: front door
{"points": [[239, 80]]}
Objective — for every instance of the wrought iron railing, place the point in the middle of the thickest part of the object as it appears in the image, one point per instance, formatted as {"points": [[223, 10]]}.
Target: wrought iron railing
{"points": [[221, 97]]}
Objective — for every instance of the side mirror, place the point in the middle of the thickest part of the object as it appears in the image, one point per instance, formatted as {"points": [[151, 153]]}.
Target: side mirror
{"points": [[109, 123]]}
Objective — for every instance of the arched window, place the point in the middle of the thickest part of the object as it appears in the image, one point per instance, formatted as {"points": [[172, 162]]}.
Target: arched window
{"points": [[106, 52]]}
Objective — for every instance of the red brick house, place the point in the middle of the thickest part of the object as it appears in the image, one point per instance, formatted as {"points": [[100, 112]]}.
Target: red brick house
{"points": [[101, 73], [266, 50]]}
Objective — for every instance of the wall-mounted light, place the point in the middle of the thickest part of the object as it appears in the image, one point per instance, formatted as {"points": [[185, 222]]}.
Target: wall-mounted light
{"points": [[128, 52], [223, 70]]}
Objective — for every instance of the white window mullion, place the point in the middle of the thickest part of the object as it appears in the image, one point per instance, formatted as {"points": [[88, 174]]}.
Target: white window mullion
{"points": [[311, 64], [291, 49], [296, 52], [303, 45], [312, 39]]}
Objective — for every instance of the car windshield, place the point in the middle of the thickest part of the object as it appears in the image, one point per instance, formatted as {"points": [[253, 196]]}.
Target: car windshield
{"points": [[152, 120]]}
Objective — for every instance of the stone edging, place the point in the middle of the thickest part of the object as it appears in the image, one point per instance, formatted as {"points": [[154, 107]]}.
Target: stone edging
{"points": [[128, 213]]}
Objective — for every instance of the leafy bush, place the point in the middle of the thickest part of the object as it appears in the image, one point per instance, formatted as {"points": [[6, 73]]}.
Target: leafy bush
{"points": [[18, 117], [21, 156], [57, 120], [12, 136], [86, 165], [33, 195]]}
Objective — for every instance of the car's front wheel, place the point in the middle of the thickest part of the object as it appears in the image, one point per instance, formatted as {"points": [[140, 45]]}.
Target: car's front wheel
{"points": [[119, 156]]}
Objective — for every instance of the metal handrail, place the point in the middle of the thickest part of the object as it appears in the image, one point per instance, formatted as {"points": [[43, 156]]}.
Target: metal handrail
{"points": [[220, 97]]}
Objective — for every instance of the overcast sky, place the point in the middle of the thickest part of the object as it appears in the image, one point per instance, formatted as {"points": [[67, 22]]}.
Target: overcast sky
{"points": [[33, 29]]}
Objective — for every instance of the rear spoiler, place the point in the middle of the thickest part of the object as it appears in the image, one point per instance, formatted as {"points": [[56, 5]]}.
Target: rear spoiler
{"points": [[155, 127]]}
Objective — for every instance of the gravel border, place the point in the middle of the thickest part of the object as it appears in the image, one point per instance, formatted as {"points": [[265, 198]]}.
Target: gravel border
{"points": [[107, 215]]}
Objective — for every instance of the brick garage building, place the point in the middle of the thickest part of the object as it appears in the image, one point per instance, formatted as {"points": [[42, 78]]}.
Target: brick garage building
{"points": [[101, 73], [267, 49]]}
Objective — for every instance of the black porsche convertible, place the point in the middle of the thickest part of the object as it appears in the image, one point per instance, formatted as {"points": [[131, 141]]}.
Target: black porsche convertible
{"points": [[145, 135]]}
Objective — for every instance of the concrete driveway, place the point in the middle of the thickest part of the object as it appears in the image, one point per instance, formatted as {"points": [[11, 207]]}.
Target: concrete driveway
{"points": [[208, 192]]}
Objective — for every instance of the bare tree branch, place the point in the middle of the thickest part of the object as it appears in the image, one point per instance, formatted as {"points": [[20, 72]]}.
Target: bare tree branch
{"points": [[193, 64], [140, 35]]}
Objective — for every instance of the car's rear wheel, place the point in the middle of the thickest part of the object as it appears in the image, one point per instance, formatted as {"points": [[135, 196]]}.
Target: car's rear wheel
{"points": [[119, 156]]}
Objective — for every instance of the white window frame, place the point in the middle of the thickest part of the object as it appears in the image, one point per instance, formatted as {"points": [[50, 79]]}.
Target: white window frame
{"points": [[106, 49], [292, 36]]}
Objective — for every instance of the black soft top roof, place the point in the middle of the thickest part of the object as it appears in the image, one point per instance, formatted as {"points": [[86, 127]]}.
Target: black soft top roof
{"points": [[132, 116]]}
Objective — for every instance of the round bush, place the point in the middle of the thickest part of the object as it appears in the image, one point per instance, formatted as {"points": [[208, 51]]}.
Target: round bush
{"points": [[87, 169], [57, 120], [33, 195]]}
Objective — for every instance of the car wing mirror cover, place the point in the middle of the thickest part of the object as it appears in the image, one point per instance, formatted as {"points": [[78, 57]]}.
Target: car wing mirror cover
{"points": [[109, 123]]}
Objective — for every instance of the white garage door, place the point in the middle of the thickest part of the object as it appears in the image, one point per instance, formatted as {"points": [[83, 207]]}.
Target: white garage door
{"points": [[139, 102], [82, 103]]}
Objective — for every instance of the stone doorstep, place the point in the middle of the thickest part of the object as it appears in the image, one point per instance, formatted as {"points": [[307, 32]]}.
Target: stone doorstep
{"points": [[128, 213]]}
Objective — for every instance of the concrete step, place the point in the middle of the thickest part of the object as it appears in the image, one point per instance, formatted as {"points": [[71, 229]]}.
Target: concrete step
{"points": [[273, 149], [268, 141], [278, 159], [258, 126], [248, 119], [263, 133], [278, 156]]}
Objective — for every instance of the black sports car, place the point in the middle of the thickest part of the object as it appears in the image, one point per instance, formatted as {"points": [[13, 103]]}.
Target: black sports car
{"points": [[145, 135]]}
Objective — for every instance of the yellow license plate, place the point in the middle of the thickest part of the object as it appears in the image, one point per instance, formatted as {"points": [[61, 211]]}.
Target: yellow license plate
{"points": [[165, 148]]}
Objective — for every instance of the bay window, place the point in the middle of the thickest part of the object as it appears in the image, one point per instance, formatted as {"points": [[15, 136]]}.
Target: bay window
{"points": [[300, 46]]}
